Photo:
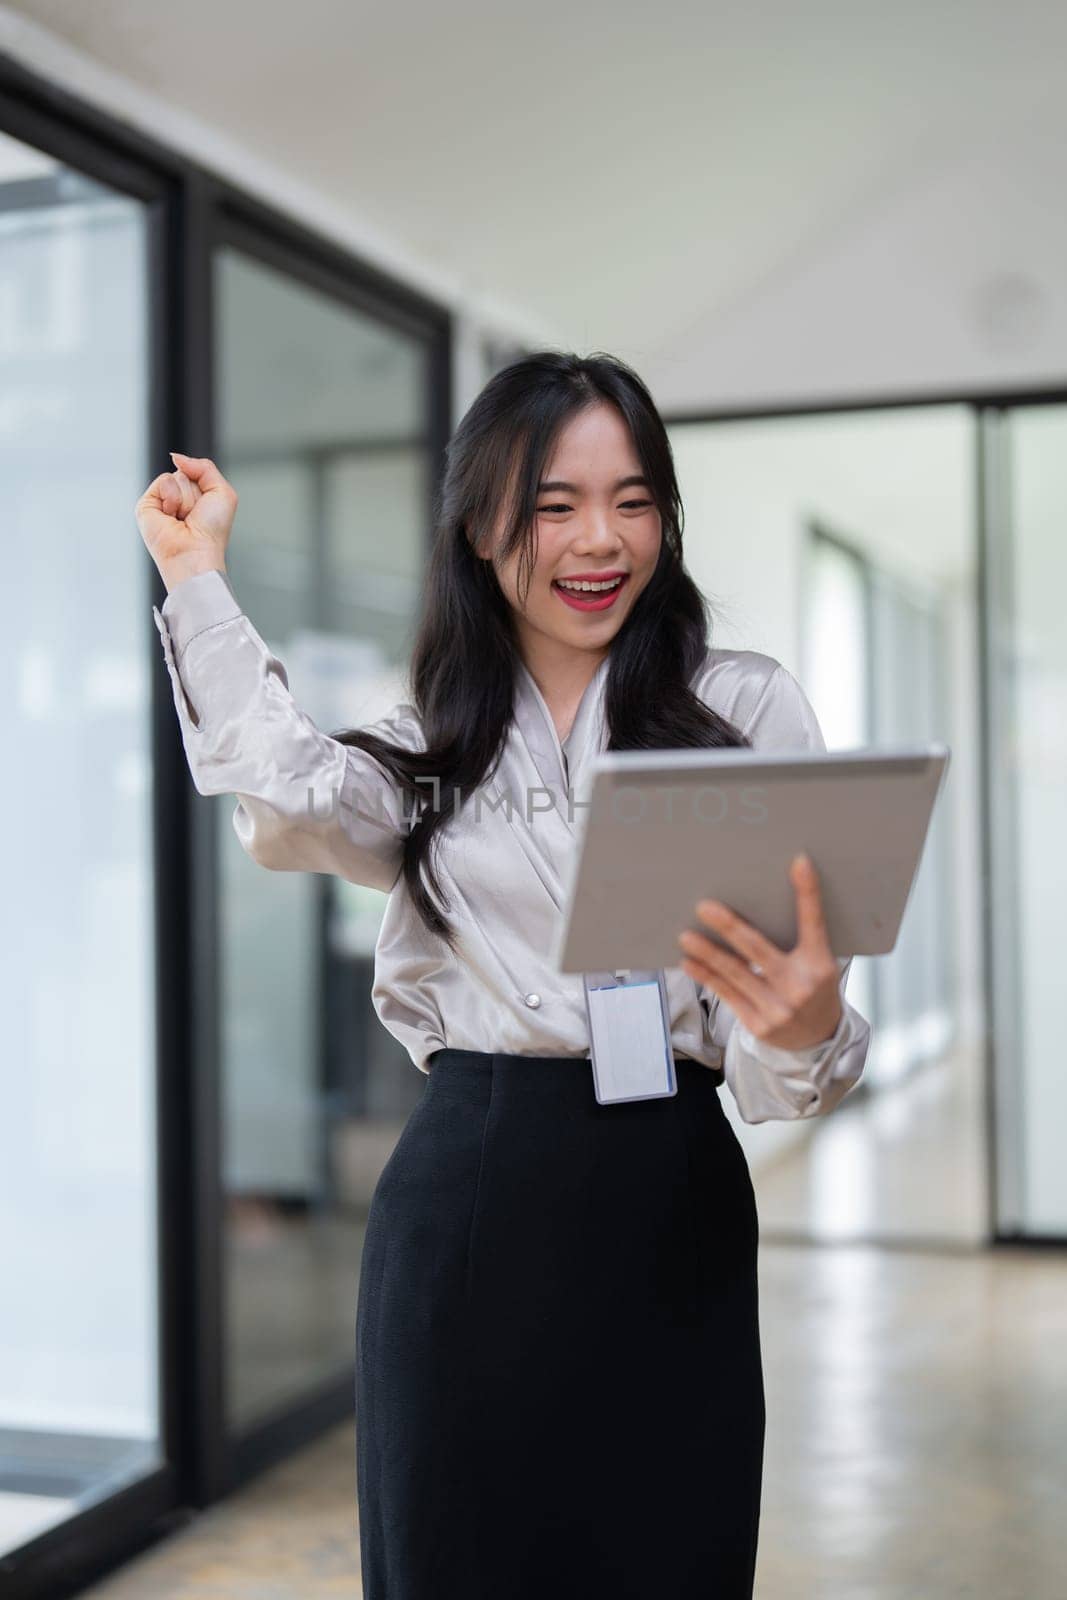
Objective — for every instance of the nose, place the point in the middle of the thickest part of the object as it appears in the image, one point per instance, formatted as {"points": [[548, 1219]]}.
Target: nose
{"points": [[597, 535]]}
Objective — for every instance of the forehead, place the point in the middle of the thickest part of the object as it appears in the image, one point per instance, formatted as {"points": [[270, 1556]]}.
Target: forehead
{"points": [[593, 444]]}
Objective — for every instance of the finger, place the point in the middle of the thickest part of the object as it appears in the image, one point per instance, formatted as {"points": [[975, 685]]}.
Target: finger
{"points": [[204, 473], [722, 966], [811, 920], [185, 494], [171, 493], [162, 494], [154, 493], [742, 935], [755, 1017], [739, 1003]]}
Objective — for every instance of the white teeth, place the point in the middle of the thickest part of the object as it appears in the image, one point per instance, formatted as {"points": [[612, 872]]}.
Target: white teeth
{"points": [[565, 583]]}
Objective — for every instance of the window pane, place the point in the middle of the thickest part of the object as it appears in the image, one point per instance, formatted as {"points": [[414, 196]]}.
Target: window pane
{"points": [[1033, 666], [322, 433], [78, 1339]]}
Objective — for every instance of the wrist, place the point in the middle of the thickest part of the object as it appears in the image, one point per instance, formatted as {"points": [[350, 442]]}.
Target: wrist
{"points": [[828, 1036]]}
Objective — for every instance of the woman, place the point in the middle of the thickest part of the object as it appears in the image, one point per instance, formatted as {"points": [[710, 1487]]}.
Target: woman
{"points": [[559, 1387]]}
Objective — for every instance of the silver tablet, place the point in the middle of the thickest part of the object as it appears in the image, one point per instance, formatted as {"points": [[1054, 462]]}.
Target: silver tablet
{"points": [[666, 828]]}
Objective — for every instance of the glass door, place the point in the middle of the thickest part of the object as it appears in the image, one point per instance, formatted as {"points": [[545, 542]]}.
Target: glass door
{"points": [[80, 1381]]}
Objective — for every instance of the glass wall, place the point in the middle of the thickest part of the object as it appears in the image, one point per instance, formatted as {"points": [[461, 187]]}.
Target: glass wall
{"points": [[875, 642], [845, 546], [323, 430], [1026, 460], [79, 1385], [836, 651]]}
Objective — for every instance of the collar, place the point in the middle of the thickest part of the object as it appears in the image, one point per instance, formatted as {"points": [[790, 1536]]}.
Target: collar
{"points": [[535, 723]]}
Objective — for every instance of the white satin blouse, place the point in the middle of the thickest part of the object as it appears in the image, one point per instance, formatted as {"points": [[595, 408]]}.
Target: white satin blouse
{"points": [[306, 802]]}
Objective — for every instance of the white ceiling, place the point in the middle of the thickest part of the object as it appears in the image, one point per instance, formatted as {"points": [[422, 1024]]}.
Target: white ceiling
{"points": [[618, 173]]}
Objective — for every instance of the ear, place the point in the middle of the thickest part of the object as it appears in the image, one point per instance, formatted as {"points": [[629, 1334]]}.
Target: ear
{"points": [[479, 546]]}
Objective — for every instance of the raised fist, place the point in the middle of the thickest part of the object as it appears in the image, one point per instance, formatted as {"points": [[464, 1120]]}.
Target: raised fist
{"points": [[185, 518]]}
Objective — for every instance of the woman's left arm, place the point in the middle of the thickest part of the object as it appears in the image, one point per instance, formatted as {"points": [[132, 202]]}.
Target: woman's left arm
{"points": [[793, 1044]]}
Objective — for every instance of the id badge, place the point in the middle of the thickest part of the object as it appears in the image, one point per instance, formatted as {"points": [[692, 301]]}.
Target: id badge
{"points": [[629, 1036]]}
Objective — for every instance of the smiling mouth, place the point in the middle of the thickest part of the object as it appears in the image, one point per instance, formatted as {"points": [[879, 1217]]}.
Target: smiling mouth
{"points": [[590, 595]]}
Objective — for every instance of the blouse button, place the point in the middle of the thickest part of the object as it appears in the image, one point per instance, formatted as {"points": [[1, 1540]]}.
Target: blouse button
{"points": [[532, 1000]]}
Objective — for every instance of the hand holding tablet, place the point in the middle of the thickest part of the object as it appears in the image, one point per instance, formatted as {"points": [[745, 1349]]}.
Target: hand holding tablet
{"points": [[789, 998]]}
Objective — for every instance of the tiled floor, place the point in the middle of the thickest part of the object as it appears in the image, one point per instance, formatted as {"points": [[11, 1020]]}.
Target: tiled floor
{"points": [[916, 1447], [291, 1535]]}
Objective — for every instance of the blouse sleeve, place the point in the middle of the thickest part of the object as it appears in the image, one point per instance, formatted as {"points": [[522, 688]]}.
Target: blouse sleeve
{"points": [[305, 802], [769, 1083]]}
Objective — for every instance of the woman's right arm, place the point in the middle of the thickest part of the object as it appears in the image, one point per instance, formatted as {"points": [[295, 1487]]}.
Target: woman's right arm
{"points": [[305, 802]]}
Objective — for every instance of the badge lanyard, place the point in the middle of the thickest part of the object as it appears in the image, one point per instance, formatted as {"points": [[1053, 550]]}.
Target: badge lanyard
{"points": [[629, 1035]]}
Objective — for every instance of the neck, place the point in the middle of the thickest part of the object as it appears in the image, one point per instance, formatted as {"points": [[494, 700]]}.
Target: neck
{"points": [[561, 672]]}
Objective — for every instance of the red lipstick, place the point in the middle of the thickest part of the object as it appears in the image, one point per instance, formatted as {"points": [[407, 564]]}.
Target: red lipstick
{"points": [[590, 599]]}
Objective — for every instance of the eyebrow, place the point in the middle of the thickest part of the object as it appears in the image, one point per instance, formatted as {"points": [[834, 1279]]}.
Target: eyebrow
{"points": [[572, 488]]}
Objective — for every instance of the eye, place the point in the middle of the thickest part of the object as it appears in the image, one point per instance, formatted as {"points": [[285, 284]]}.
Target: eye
{"points": [[626, 505]]}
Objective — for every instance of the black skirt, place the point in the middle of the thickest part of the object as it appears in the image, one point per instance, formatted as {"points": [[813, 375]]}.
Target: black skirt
{"points": [[559, 1386]]}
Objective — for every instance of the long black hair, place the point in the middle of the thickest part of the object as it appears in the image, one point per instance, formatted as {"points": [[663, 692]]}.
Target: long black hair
{"points": [[466, 653]]}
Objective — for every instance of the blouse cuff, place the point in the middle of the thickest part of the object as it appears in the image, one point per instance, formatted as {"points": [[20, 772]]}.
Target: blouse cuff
{"points": [[770, 1083], [813, 1055], [199, 602]]}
